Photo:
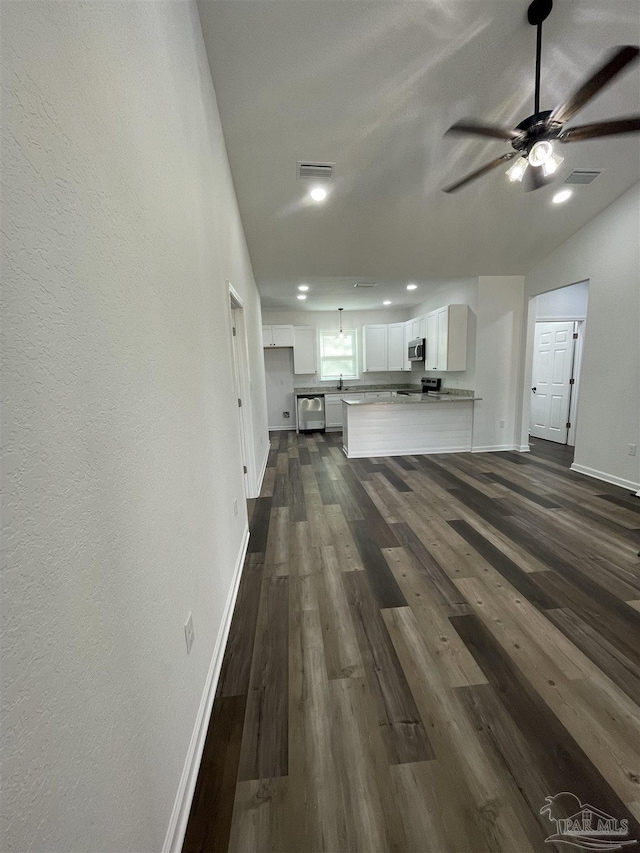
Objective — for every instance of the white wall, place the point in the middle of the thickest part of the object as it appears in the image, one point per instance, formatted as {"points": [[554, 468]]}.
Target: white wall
{"points": [[278, 364], [499, 332], [120, 420], [606, 252], [566, 303], [351, 320]]}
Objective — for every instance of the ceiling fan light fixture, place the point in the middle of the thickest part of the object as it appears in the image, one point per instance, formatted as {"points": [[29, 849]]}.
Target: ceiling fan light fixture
{"points": [[516, 172], [550, 166], [540, 152]]}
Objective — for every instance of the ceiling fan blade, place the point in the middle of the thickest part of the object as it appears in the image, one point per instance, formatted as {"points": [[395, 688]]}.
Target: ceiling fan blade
{"points": [[617, 62], [474, 128], [535, 178], [601, 128], [480, 172]]}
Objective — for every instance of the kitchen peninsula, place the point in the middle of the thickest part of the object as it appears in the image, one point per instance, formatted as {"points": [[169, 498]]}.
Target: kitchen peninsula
{"points": [[438, 423]]}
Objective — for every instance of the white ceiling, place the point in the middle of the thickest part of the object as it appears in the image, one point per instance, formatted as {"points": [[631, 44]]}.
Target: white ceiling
{"points": [[371, 87]]}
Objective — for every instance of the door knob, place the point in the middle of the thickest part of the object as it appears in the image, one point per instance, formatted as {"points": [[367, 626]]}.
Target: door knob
{"points": [[534, 389]]}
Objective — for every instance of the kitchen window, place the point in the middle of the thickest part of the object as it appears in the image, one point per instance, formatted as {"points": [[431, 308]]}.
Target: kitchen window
{"points": [[338, 355]]}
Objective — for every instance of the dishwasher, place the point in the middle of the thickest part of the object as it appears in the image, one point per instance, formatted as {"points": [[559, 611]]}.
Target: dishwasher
{"points": [[310, 412]]}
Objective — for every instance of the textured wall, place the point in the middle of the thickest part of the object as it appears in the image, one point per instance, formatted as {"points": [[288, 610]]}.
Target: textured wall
{"points": [[121, 227]]}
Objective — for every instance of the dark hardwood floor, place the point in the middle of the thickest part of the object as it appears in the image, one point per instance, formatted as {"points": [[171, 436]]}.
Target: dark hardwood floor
{"points": [[423, 650]]}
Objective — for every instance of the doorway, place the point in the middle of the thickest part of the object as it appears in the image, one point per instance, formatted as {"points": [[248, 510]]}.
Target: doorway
{"points": [[559, 324], [238, 346]]}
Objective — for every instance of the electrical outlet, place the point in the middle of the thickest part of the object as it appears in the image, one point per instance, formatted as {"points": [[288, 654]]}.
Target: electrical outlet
{"points": [[188, 632], [285, 414], [235, 507], [503, 423], [632, 449]]}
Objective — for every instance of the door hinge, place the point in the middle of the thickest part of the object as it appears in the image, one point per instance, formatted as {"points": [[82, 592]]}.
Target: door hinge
{"points": [[239, 402], [572, 382], [244, 469], [575, 335], [568, 424], [234, 331]]}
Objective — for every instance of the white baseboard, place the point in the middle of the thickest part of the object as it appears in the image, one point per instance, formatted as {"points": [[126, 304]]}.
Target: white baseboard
{"points": [[607, 478], [275, 429], [263, 468], [492, 448], [524, 448], [174, 838], [368, 454]]}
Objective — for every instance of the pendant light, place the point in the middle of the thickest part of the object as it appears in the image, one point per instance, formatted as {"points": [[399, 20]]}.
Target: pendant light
{"points": [[341, 333]]}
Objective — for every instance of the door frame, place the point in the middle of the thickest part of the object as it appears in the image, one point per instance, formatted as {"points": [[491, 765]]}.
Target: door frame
{"points": [[576, 363], [240, 358], [530, 321]]}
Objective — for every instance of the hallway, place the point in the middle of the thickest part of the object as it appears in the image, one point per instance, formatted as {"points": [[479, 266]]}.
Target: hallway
{"points": [[424, 649]]}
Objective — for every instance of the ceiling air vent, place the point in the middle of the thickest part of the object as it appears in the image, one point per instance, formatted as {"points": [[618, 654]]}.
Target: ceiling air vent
{"points": [[318, 171], [582, 176], [365, 284]]}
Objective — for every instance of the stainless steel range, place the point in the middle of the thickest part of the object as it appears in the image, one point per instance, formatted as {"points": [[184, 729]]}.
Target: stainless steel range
{"points": [[429, 386]]}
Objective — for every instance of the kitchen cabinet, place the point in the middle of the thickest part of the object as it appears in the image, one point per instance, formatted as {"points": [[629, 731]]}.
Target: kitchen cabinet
{"points": [[446, 333], [304, 349], [397, 350], [333, 408], [277, 336], [406, 364], [375, 346], [418, 327]]}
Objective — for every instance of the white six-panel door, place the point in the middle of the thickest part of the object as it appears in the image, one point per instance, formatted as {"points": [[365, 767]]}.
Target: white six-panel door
{"points": [[551, 375]]}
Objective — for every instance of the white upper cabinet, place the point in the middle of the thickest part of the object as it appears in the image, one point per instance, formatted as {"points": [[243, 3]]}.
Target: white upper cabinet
{"points": [[375, 348], [418, 327], [397, 351], [446, 333], [408, 336], [304, 349], [277, 336]]}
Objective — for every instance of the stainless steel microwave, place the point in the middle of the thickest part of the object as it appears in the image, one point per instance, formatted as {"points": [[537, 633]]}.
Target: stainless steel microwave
{"points": [[416, 350]]}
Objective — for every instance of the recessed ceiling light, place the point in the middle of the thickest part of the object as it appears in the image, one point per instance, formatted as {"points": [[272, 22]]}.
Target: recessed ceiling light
{"points": [[387, 302], [563, 195], [304, 287], [412, 287], [318, 193], [302, 296]]}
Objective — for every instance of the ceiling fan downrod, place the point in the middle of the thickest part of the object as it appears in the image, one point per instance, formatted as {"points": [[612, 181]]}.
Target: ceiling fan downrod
{"points": [[538, 12]]}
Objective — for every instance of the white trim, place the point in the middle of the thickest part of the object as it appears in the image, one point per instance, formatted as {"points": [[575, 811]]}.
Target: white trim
{"points": [[608, 478], [524, 448], [366, 454], [490, 448], [275, 429], [235, 296], [182, 806], [263, 468]]}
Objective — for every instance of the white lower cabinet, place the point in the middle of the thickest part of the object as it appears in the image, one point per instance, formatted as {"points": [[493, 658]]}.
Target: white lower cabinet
{"points": [[333, 408]]}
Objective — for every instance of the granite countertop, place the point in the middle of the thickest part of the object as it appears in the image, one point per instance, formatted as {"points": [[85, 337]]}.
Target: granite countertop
{"points": [[425, 399], [354, 389]]}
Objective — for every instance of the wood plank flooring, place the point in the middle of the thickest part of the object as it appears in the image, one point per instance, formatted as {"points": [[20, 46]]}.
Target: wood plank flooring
{"points": [[422, 651]]}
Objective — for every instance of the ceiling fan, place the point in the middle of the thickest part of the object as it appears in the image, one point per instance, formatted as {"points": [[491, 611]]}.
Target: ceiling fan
{"points": [[533, 138]]}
